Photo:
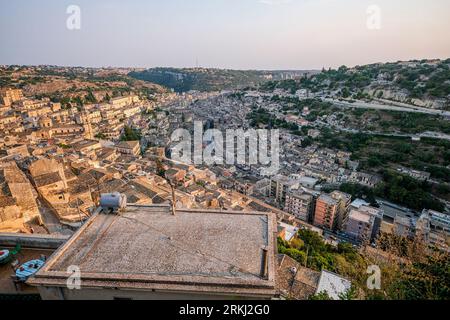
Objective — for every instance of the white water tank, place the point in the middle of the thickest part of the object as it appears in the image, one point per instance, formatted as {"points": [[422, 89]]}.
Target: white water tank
{"points": [[113, 201]]}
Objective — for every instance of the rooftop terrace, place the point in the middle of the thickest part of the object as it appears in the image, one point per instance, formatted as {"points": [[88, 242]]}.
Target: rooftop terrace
{"points": [[148, 248]]}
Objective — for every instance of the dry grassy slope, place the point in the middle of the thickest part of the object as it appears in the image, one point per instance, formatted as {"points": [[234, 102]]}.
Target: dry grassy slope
{"points": [[50, 84], [53, 85]]}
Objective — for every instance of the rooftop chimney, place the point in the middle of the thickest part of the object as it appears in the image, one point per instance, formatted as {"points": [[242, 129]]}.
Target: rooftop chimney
{"points": [[265, 263]]}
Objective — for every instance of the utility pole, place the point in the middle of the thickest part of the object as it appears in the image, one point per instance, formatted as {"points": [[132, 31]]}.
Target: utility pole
{"points": [[78, 208], [173, 201]]}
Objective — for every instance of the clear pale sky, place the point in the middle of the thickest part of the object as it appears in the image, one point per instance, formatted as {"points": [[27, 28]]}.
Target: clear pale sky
{"points": [[235, 34]]}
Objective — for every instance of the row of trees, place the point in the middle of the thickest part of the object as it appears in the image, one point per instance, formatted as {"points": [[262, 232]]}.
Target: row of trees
{"points": [[407, 191], [399, 189]]}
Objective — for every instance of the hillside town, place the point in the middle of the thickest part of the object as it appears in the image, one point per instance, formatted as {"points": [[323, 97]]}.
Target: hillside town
{"points": [[58, 161], [63, 159]]}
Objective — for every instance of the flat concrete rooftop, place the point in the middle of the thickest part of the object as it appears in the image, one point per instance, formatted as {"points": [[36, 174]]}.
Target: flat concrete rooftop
{"points": [[146, 247]]}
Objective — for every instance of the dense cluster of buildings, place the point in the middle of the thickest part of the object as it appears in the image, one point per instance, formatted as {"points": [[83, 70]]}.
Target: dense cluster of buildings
{"points": [[333, 211], [56, 163], [70, 157], [49, 152], [304, 171], [43, 119], [18, 207]]}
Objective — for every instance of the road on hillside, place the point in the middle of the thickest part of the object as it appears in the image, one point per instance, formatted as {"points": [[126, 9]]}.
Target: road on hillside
{"points": [[378, 106]]}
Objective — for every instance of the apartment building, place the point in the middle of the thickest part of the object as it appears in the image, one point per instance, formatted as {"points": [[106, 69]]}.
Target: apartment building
{"points": [[35, 113], [280, 185], [129, 147], [9, 96], [344, 200], [30, 104], [405, 226], [61, 116], [299, 204], [112, 132], [111, 114], [94, 117], [262, 187], [7, 119], [131, 111], [327, 209], [124, 101], [59, 131], [434, 228], [364, 224]]}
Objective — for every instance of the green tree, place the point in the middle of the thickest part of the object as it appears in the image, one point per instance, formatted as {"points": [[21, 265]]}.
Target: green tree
{"points": [[90, 98], [130, 134], [350, 294], [345, 93], [320, 296]]}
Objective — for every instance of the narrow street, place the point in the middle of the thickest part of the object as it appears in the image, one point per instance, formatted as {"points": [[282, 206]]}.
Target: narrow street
{"points": [[51, 221]]}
